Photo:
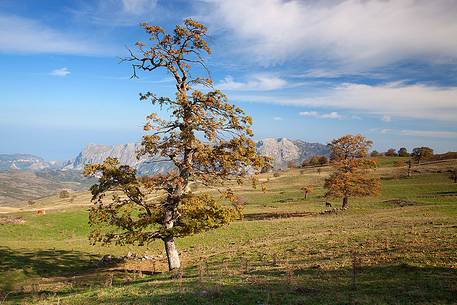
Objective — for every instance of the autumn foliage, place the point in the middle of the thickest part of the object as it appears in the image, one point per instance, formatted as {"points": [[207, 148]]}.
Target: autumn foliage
{"points": [[352, 176], [307, 189], [422, 153], [207, 139]]}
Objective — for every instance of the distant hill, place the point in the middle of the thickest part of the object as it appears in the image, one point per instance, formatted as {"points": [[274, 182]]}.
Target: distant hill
{"points": [[25, 177], [19, 185], [24, 162]]}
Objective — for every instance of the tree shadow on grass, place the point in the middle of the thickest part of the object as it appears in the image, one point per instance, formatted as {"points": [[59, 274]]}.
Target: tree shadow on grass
{"points": [[380, 284], [391, 284], [26, 274], [46, 263], [261, 283]]}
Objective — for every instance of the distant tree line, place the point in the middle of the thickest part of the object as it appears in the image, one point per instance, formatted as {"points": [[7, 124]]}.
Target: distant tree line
{"points": [[418, 154], [391, 152], [315, 161]]}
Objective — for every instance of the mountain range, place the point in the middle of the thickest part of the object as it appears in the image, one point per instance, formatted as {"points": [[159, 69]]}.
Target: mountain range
{"points": [[25, 161], [281, 150], [24, 177]]}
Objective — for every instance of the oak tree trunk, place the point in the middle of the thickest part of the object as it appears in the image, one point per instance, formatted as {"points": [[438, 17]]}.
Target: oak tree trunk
{"points": [[174, 261], [172, 253], [345, 203]]}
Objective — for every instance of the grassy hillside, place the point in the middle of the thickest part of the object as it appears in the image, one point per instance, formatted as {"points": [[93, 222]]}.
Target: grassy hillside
{"points": [[19, 186], [398, 248]]}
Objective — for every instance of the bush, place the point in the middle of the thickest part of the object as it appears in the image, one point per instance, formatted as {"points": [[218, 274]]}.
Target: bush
{"points": [[403, 152], [64, 194], [375, 153], [323, 160], [276, 174], [391, 153], [291, 164]]}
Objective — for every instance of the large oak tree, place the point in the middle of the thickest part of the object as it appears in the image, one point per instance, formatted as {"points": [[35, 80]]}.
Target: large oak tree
{"points": [[207, 139]]}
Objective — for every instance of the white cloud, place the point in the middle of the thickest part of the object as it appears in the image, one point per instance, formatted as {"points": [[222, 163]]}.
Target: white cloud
{"points": [[386, 118], [429, 133], [256, 82], [23, 35], [309, 113], [138, 7], [417, 133], [331, 115], [117, 12], [60, 72], [355, 117], [368, 33], [393, 99], [277, 118], [381, 130], [319, 73], [315, 114]]}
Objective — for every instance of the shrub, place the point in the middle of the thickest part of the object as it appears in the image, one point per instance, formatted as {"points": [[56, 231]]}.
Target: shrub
{"points": [[64, 194], [391, 153]]}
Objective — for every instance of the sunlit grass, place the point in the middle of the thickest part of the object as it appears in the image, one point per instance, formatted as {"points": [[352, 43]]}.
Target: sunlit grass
{"points": [[403, 255]]}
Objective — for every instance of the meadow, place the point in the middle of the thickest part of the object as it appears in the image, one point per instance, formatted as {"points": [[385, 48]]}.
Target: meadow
{"points": [[397, 248]]}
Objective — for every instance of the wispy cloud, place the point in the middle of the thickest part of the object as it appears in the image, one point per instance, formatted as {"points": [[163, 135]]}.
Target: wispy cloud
{"points": [[351, 32], [315, 114], [386, 118], [23, 35], [138, 7], [61, 72], [429, 133], [381, 130], [277, 118], [417, 101], [116, 12], [256, 82], [417, 133]]}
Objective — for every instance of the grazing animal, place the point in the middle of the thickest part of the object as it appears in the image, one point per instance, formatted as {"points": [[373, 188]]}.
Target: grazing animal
{"points": [[328, 204], [40, 212]]}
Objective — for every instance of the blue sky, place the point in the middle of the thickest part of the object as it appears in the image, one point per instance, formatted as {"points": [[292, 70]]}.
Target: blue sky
{"points": [[305, 70]]}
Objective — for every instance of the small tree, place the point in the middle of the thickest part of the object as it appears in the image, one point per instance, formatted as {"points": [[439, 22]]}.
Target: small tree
{"points": [[323, 160], [375, 153], [352, 176], [453, 175], [291, 164], [410, 166], [207, 139], [316, 161], [307, 189], [403, 152], [64, 194], [422, 153], [391, 152]]}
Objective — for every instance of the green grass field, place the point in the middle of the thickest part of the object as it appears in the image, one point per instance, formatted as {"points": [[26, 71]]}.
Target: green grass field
{"points": [[398, 248]]}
